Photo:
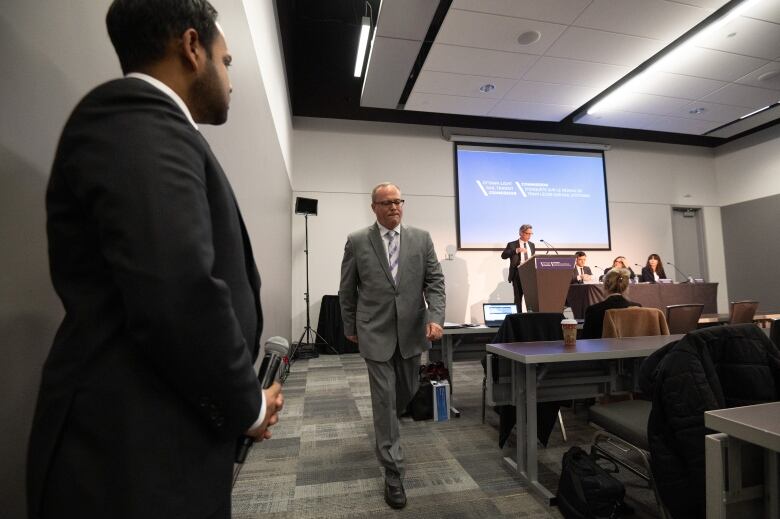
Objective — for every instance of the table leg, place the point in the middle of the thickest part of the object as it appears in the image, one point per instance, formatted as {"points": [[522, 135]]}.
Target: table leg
{"points": [[446, 352], [527, 464]]}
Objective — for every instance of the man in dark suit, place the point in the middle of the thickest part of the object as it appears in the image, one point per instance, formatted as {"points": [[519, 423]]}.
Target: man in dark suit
{"points": [[388, 275], [150, 379], [582, 272], [517, 252]]}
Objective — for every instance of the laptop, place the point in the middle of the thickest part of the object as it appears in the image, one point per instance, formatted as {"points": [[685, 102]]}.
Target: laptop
{"points": [[494, 313]]}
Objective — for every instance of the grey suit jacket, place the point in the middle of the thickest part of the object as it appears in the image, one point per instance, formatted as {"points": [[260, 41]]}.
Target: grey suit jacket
{"points": [[380, 313]]}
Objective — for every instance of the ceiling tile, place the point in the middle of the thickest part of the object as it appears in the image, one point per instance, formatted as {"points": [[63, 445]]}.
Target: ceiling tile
{"points": [[771, 81], [743, 95], [572, 72], [750, 122], [745, 36], [680, 125], [493, 63], [461, 85], [489, 31], [532, 91], [405, 19], [656, 19], [712, 112], [707, 4], [389, 64], [675, 85], [768, 10], [649, 122], [603, 47], [449, 104], [648, 104], [556, 11], [711, 64], [531, 111]]}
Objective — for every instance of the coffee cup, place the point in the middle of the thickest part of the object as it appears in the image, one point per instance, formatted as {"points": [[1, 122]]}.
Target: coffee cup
{"points": [[569, 327]]}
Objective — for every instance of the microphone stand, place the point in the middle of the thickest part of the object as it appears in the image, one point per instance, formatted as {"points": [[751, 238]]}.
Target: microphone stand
{"points": [[688, 279]]}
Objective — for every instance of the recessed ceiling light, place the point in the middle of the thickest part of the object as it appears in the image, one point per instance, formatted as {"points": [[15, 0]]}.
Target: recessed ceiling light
{"points": [[731, 35], [488, 87], [697, 111], [769, 76], [529, 37]]}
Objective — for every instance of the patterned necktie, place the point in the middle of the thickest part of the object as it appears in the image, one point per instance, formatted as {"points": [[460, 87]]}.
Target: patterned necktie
{"points": [[392, 254]]}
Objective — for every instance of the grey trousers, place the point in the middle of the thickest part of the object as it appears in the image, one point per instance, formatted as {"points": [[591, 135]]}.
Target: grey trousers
{"points": [[393, 384]]}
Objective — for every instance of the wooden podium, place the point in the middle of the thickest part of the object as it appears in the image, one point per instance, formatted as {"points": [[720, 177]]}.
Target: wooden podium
{"points": [[546, 281]]}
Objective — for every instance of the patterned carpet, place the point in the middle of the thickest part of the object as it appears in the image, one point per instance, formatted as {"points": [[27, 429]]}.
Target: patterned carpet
{"points": [[321, 464]]}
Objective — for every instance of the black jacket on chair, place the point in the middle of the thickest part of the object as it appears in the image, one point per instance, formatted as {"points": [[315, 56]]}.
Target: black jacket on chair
{"points": [[528, 327], [711, 368]]}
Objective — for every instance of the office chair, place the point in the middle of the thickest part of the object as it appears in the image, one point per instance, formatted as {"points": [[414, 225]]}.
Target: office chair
{"points": [[774, 332], [741, 312], [683, 318], [622, 426]]}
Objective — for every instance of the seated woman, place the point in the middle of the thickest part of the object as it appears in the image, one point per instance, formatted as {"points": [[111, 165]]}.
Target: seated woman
{"points": [[653, 271], [619, 263], [616, 283]]}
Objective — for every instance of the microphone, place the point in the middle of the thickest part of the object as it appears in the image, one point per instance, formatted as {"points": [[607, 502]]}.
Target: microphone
{"points": [[276, 350], [550, 245], [688, 279]]}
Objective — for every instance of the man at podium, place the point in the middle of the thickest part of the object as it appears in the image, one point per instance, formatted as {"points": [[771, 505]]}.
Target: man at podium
{"points": [[517, 252]]}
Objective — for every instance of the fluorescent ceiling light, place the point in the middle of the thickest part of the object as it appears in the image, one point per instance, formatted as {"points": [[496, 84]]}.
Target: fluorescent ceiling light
{"points": [[613, 99], [362, 44]]}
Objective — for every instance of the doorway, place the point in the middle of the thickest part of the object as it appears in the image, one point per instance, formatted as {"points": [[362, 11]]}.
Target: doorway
{"points": [[689, 248]]}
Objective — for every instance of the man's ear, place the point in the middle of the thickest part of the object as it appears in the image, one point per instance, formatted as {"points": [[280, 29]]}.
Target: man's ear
{"points": [[191, 49]]}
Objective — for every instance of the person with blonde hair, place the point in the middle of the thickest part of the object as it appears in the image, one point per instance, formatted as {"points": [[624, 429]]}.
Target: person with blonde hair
{"points": [[616, 283]]}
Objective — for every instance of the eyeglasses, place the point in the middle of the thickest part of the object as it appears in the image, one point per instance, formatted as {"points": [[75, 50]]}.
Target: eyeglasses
{"points": [[388, 203]]}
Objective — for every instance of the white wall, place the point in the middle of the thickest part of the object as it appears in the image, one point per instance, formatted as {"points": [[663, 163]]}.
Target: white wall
{"points": [[53, 53], [749, 168], [339, 162]]}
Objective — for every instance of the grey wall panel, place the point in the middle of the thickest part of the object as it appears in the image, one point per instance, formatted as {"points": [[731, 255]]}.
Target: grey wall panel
{"points": [[752, 244]]}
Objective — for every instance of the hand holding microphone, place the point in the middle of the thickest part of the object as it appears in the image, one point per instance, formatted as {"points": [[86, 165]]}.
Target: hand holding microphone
{"points": [[270, 375]]}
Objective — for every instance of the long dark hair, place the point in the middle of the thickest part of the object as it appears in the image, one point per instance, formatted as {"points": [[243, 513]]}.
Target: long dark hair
{"points": [[659, 269]]}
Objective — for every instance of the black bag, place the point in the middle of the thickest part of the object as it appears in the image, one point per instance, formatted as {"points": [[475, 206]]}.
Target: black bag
{"points": [[587, 491], [421, 405]]}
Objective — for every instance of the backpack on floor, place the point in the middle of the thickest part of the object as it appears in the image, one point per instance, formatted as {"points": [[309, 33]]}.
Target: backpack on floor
{"points": [[421, 406], [587, 491]]}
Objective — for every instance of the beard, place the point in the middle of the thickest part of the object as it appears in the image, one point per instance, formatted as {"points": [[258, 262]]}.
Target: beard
{"points": [[209, 97]]}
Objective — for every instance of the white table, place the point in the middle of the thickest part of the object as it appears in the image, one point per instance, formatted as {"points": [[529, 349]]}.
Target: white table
{"points": [[547, 370], [729, 462], [448, 346]]}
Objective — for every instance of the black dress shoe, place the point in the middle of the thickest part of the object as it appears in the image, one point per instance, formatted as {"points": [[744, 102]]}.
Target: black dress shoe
{"points": [[395, 495]]}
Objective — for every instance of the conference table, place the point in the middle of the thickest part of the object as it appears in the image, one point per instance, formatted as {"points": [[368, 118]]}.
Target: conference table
{"points": [[548, 370], [451, 337], [653, 295], [743, 461]]}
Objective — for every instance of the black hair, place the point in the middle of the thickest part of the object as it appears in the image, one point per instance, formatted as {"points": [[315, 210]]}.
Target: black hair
{"points": [[141, 30], [579, 254]]}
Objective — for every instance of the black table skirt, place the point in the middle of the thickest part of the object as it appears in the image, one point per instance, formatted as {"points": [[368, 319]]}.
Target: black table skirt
{"points": [[331, 328], [653, 295]]}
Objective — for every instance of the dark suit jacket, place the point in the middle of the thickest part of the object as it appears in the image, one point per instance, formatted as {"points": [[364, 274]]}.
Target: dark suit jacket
{"points": [[381, 313], [576, 273], [515, 258], [594, 315], [647, 275], [149, 381]]}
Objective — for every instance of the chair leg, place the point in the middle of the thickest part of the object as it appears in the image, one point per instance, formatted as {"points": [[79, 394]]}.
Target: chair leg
{"points": [[563, 429]]}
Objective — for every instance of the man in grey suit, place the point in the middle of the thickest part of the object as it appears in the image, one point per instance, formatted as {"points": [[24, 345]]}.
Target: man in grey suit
{"points": [[388, 274]]}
